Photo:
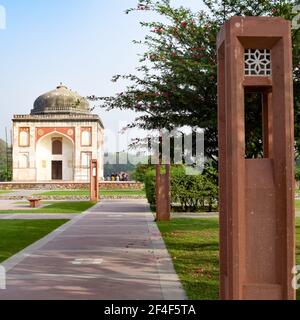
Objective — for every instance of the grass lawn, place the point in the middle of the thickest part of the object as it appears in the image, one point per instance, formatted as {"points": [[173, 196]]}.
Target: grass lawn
{"points": [[194, 247], [297, 205], [5, 191], [58, 207], [127, 192], [16, 235]]}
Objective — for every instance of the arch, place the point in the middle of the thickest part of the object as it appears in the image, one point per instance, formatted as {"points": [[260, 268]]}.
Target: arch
{"points": [[57, 146], [48, 151], [57, 133]]}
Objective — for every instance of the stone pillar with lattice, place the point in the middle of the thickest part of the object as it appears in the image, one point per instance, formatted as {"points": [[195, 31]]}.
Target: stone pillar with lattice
{"points": [[94, 180], [257, 219]]}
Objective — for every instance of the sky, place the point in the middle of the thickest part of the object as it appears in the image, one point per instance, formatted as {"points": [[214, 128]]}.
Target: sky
{"points": [[81, 43]]}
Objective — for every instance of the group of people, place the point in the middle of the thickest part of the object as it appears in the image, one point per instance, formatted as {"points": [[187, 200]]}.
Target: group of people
{"points": [[122, 176]]}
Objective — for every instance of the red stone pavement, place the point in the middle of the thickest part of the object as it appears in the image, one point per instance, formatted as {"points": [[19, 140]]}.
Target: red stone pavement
{"points": [[113, 251]]}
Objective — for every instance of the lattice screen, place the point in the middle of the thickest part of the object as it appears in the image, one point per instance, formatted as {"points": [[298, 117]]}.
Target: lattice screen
{"points": [[258, 62]]}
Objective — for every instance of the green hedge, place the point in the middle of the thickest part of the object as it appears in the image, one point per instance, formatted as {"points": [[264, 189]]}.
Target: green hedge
{"points": [[297, 173], [150, 186], [140, 171], [189, 192], [193, 193], [149, 180]]}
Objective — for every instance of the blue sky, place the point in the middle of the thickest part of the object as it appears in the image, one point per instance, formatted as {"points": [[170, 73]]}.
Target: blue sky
{"points": [[81, 43]]}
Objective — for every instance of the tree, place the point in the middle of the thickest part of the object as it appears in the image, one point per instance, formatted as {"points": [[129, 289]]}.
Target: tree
{"points": [[5, 162], [140, 172], [176, 82]]}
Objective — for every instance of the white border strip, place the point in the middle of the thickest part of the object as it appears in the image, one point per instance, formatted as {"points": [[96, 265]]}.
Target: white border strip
{"points": [[171, 286]]}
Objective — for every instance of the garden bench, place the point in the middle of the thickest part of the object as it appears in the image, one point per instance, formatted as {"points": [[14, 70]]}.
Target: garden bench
{"points": [[34, 202]]}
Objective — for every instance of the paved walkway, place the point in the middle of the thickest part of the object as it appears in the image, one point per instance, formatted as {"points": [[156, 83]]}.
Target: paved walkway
{"points": [[114, 251]]}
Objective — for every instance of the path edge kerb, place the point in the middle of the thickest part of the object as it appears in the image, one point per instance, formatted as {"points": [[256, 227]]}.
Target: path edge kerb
{"points": [[170, 283], [13, 261]]}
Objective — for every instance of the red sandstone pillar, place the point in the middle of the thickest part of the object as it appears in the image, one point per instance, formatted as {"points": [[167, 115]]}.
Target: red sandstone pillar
{"points": [[257, 245], [94, 181], [163, 197]]}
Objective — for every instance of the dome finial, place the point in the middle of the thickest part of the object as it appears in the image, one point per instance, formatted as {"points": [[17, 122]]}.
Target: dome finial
{"points": [[61, 85]]}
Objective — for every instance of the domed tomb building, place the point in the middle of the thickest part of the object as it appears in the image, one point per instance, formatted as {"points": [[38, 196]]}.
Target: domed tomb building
{"points": [[57, 140]]}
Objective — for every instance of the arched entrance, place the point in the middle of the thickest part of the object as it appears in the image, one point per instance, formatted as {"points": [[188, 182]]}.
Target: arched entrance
{"points": [[55, 158]]}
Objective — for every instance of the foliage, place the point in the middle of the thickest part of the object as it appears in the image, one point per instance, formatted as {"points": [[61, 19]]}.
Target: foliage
{"points": [[149, 181], [297, 173], [176, 81], [6, 175], [211, 173], [140, 171], [5, 171], [191, 192], [150, 187]]}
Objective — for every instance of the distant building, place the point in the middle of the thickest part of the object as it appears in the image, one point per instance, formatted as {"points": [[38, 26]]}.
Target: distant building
{"points": [[57, 140]]}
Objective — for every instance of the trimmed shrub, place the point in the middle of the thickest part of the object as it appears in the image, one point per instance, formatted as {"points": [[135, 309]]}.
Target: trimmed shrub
{"points": [[297, 173], [193, 193], [140, 171], [150, 186], [189, 192], [149, 180]]}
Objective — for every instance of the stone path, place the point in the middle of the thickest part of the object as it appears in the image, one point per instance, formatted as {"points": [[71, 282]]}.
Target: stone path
{"points": [[113, 251], [8, 204]]}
